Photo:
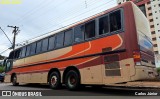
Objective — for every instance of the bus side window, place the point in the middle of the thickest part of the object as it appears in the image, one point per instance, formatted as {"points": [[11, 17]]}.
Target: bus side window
{"points": [[28, 50], [79, 33], [33, 49], [45, 44], [39, 47], [115, 21], [68, 37], [90, 29], [103, 25], [59, 39], [17, 54], [51, 43], [23, 52]]}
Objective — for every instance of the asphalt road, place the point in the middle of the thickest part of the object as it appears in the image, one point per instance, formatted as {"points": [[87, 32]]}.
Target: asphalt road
{"points": [[94, 93]]}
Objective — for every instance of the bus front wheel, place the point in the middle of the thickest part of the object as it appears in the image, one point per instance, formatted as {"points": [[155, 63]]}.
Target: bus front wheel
{"points": [[14, 80], [54, 80], [72, 80]]}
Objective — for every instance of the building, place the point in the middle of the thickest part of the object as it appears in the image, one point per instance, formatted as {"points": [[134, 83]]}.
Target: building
{"points": [[155, 6], [151, 9]]}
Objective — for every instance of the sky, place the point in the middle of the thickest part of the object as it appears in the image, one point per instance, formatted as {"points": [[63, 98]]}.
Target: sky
{"points": [[38, 17]]}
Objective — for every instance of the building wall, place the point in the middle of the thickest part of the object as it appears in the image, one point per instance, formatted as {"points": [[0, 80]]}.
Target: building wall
{"points": [[155, 5]]}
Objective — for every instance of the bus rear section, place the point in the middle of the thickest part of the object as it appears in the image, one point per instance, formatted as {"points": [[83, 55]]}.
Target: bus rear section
{"points": [[143, 56]]}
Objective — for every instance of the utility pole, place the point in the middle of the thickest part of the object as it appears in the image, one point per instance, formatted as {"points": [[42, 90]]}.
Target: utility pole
{"points": [[15, 32]]}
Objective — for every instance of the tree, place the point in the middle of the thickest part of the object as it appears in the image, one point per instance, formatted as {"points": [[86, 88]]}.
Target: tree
{"points": [[2, 57], [158, 69]]}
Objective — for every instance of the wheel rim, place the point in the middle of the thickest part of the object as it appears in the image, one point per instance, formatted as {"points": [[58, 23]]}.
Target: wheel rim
{"points": [[53, 80], [72, 80]]}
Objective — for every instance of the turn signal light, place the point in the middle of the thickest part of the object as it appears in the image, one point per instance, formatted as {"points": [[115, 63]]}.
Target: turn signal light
{"points": [[137, 57]]}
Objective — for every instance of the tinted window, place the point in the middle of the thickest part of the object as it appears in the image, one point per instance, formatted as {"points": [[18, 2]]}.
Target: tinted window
{"points": [[143, 9], [39, 47], [103, 25], [28, 50], [45, 44], [79, 33], [33, 48], [68, 37], [17, 53], [23, 52], [90, 29], [115, 21], [59, 40], [11, 55], [51, 42]]}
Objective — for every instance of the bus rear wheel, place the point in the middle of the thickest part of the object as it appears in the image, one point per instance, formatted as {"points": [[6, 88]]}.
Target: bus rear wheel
{"points": [[54, 80], [72, 80], [14, 80]]}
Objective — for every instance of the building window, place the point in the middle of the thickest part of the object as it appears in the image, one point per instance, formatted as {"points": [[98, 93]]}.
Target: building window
{"points": [[152, 26], [150, 14], [103, 25], [153, 32], [154, 38], [115, 21], [149, 8], [68, 37], [90, 29], [79, 33], [155, 45], [156, 52], [151, 20]]}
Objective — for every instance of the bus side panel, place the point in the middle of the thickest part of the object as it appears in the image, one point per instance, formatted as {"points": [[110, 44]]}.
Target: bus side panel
{"points": [[32, 77], [7, 78]]}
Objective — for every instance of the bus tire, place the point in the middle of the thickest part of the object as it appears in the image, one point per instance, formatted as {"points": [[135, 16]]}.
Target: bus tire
{"points": [[14, 80], [55, 80], [72, 80]]}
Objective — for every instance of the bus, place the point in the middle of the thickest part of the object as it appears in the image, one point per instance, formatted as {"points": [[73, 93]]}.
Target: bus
{"points": [[111, 47]]}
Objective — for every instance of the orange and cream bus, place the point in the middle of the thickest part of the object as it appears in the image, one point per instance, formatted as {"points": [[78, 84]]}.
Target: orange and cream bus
{"points": [[113, 46]]}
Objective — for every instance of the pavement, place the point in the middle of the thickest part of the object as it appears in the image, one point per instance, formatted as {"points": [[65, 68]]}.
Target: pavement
{"points": [[139, 85], [132, 90]]}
